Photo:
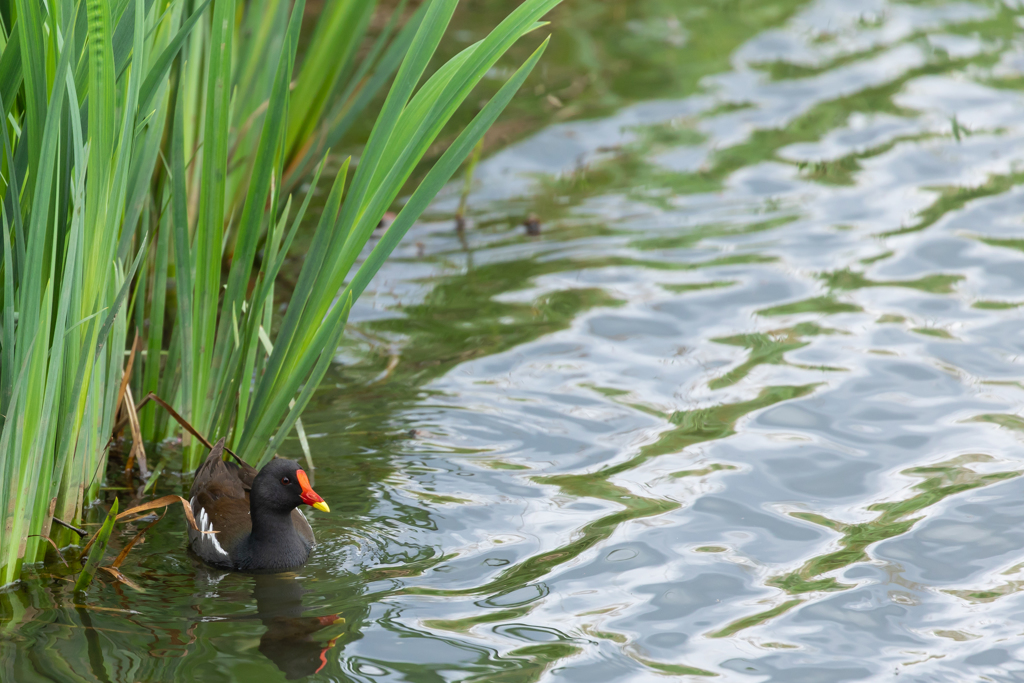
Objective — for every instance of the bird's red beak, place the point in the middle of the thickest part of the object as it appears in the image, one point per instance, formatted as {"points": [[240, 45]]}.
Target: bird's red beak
{"points": [[308, 495]]}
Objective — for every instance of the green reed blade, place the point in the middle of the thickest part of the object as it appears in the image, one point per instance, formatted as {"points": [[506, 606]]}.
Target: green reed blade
{"points": [[259, 43], [427, 113], [123, 14], [421, 51], [416, 128], [153, 91], [126, 141], [29, 467], [97, 551], [256, 312], [10, 70], [33, 68], [329, 334], [209, 233], [303, 289], [122, 292], [8, 335], [161, 65], [423, 46], [274, 127], [155, 334], [182, 253], [9, 460], [339, 33], [348, 109], [441, 173], [31, 291], [316, 375], [264, 293]]}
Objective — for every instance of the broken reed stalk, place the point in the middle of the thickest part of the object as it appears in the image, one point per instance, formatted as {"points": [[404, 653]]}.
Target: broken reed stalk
{"points": [[72, 527]]}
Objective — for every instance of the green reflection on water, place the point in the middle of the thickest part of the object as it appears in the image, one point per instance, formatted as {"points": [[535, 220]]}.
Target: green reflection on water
{"points": [[819, 304], [933, 332], [991, 593], [996, 305], [691, 427], [1014, 422], [755, 619], [674, 669], [847, 279], [1017, 244], [956, 197], [939, 482], [770, 349], [678, 289], [708, 232]]}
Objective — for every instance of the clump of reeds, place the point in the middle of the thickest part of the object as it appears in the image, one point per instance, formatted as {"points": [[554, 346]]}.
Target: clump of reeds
{"points": [[149, 152]]}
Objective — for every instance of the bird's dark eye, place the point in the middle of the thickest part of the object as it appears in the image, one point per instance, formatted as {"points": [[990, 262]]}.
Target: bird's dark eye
{"points": [[286, 481]]}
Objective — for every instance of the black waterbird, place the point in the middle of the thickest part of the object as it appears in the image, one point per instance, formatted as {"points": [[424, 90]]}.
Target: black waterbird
{"points": [[249, 520]]}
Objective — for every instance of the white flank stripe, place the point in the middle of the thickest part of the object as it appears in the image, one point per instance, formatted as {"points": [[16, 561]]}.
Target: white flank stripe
{"points": [[203, 520]]}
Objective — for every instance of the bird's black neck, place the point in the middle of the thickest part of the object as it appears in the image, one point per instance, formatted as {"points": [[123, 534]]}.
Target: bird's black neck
{"points": [[273, 543]]}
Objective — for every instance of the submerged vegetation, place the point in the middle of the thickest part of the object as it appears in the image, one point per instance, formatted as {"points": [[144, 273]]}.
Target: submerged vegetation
{"points": [[149, 154]]}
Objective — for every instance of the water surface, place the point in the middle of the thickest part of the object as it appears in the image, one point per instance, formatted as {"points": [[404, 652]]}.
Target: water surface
{"points": [[749, 408]]}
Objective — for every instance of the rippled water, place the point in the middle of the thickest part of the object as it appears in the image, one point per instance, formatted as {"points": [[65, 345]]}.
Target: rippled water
{"points": [[748, 408]]}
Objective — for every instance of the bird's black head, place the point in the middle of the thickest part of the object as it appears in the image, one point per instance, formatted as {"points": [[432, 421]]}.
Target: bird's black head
{"points": [[283, 486]]}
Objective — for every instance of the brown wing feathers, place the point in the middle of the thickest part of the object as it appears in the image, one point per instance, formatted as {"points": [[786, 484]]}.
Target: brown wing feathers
{"points": [[220, 503]]}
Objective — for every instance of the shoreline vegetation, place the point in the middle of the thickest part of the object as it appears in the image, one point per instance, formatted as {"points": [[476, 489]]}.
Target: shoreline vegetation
{"points": [[158, 159]]}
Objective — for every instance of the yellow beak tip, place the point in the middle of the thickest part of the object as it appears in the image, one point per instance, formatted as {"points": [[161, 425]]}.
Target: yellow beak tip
{"points": [[322, 506]]}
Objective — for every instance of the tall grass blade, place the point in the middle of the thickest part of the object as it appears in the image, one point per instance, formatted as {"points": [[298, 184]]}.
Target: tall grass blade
{"points": [[162, 63], [258, 191], [209, 232], [10, 70], [441, 173], [182, 253], [97, 550]]}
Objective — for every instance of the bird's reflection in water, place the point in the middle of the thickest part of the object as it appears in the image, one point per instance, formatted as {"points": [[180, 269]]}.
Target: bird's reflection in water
{"points": [[297, 644]]}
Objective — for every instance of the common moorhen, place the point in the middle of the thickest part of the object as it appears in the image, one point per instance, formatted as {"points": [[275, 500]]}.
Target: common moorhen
{"points": [[253, 514]]}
